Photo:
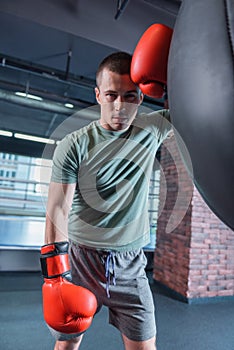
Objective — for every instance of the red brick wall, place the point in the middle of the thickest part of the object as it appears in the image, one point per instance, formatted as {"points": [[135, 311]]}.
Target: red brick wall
{"points": [[211, 253], [195, 259]]}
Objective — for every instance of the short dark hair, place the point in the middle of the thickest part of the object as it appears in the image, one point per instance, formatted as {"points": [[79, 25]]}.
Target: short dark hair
{"points": [[117, 62]]}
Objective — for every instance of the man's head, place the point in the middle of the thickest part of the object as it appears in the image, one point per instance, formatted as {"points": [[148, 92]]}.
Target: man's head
{"points": [[116, 93], [117, 62]]}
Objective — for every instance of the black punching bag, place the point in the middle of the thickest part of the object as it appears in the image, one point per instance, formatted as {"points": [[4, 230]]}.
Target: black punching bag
{"points": [[201, 97]]}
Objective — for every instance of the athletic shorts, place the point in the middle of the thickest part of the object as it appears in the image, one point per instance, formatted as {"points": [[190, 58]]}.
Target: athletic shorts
{"points": [[119, 281]]}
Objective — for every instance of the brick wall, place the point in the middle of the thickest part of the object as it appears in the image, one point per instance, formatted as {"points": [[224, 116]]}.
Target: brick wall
{"points": [[196, 258], [211, 253]]}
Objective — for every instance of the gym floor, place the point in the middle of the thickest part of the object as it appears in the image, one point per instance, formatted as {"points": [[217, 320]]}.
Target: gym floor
{"points": [[180, 326]]}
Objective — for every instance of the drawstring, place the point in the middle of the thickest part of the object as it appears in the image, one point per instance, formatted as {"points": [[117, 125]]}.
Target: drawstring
{"points": [[110, 272]]}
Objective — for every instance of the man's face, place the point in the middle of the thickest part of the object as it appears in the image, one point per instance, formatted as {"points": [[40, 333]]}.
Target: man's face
{"points": [[119, 99]]}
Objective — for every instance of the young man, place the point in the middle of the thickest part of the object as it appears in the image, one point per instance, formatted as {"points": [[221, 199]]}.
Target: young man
{"points": [[98, 202]]}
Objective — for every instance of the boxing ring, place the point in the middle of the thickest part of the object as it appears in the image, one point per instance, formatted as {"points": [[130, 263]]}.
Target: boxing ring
{"points": [[20, 240]]}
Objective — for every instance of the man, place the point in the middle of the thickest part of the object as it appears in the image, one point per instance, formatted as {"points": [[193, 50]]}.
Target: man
{"points": [[98, 202]]}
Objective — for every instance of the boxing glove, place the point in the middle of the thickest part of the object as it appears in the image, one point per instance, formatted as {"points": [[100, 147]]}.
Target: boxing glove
{"points": [[149, 61], [67, 308]]}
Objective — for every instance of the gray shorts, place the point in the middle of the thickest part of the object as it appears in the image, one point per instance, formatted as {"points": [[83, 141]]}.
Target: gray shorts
{"points": [[119, 282]]}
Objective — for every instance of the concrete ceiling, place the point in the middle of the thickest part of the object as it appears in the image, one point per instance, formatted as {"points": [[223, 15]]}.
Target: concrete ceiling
{"points": [[51, 48]]}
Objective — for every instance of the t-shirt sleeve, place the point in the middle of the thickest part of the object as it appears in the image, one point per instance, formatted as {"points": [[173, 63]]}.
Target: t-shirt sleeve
{"points": [[157, 122], [162, 121], [66, 161]]}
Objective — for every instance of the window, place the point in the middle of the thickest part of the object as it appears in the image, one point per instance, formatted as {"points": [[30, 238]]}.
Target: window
{"points": [[24, 182]]}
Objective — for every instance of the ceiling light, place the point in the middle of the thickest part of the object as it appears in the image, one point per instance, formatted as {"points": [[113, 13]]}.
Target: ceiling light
{"points": [[24, 94], [6, 133], [33, 138], [69, 105]]}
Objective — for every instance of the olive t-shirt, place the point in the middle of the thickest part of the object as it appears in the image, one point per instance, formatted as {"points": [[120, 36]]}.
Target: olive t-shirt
{"points": [[112, 171]]}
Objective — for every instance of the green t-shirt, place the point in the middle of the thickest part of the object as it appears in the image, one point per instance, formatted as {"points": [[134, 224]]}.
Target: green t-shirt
{"points": [[112, 171]]}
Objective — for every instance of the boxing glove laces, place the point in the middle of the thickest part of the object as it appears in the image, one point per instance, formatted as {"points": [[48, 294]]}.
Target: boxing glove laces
{"points": [[67, 308]]}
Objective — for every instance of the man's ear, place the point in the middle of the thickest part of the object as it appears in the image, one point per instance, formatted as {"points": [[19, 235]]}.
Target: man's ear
{"points": [[141, 98], [97, 94]]}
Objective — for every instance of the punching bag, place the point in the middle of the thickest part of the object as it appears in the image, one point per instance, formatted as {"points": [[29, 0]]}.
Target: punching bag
{"points": [[201, 97]]}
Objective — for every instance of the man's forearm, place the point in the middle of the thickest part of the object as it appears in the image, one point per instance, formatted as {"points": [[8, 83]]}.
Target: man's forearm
{"points": [[56, 227], [60, 198]]}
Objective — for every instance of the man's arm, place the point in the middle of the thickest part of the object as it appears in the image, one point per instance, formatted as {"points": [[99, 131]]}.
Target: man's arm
{"points": [[59, 203], [67, 308]]}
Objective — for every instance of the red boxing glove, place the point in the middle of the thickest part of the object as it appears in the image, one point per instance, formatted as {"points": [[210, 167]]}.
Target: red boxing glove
{"points": [[67, 308], [149, 61]]}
